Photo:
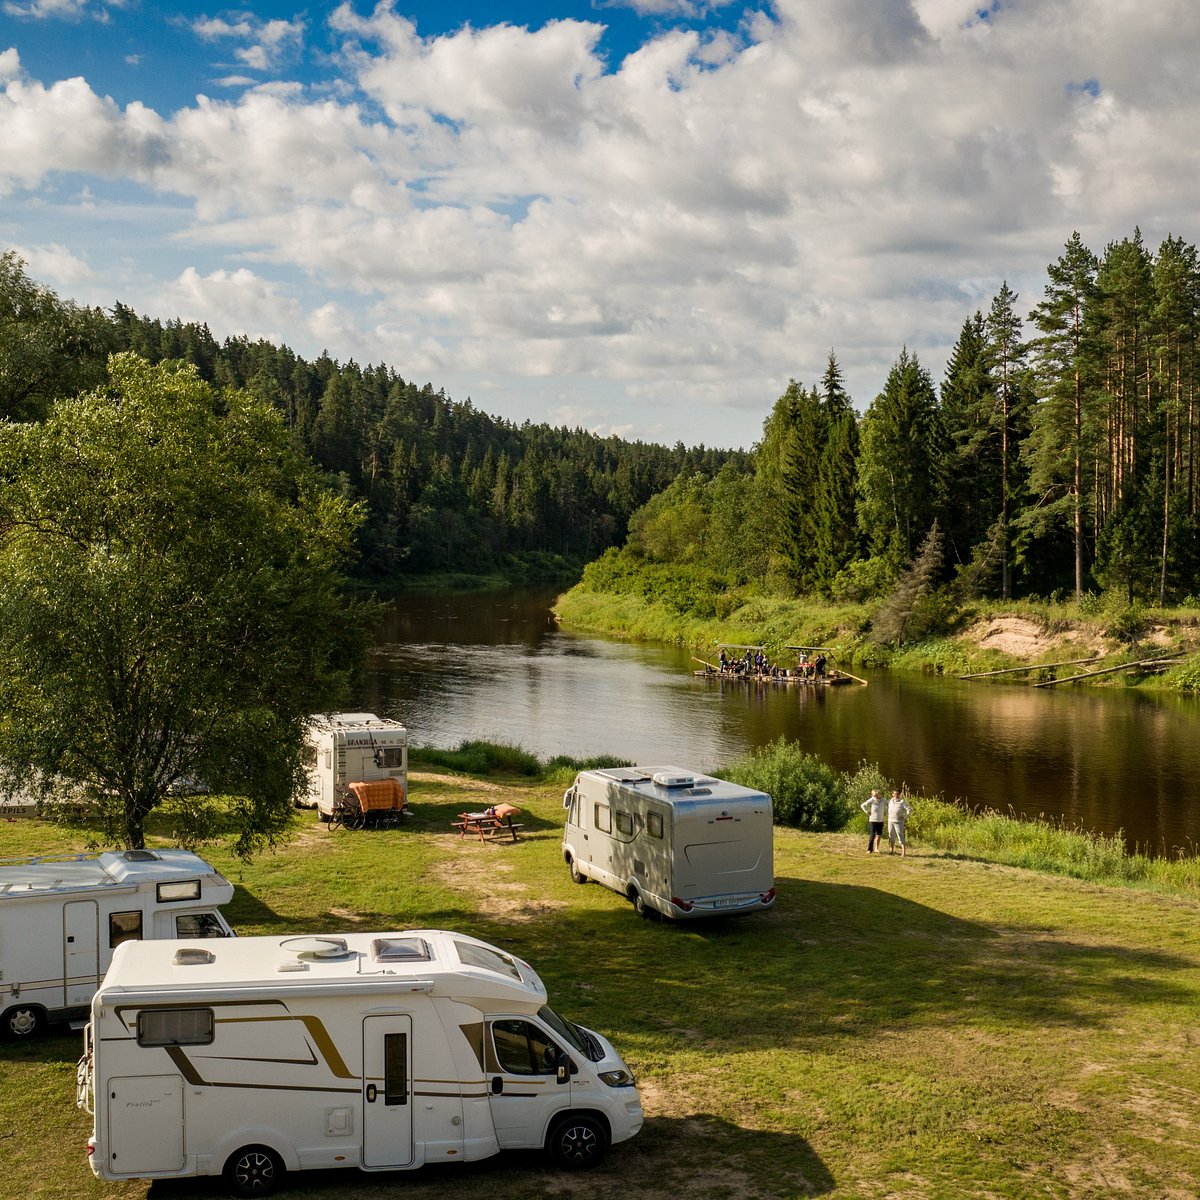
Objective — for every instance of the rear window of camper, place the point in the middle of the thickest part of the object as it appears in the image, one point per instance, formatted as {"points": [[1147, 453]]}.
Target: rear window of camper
{"points": [[654, 824], [390, 756], [175, 1027]]}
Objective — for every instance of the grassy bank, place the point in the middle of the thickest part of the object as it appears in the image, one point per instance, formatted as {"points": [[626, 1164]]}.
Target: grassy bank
{"points": [[932, 1027], [1048, 632]]}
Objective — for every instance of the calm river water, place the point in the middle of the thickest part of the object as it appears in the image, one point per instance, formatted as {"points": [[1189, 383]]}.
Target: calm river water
{"points": [[498, 667]]}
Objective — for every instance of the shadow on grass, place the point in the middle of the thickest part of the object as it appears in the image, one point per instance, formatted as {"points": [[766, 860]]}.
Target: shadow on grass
{"points": [[702, 1157], [830, 961]]}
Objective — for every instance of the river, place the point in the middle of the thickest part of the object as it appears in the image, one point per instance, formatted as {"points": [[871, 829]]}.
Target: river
{"points": [[496, 666]]}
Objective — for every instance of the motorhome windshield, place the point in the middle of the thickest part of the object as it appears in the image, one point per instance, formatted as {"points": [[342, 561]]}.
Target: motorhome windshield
{"points": [[571, 1033]]}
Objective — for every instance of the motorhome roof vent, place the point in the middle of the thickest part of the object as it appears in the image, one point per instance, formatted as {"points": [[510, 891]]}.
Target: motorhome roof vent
{"points": [[140, 856], [322, 948], [412, 949], [667, 780], [192, 956]]}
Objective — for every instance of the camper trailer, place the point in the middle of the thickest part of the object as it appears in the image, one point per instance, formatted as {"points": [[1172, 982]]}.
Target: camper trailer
{"points": [[347, 748], [673, 842], [61, 918], [381, 1051]]}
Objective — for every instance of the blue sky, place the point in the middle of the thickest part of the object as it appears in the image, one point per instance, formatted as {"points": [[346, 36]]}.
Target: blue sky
{"points": [[640, 217]]}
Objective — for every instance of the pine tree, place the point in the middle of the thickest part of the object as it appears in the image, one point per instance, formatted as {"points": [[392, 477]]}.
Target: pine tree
{"points": [[1065, 425], [1010, 385], [834, 524], [900, 477]]}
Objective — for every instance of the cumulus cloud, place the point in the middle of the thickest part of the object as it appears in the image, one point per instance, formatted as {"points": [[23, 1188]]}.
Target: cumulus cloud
{"points": [[680, 231], [55, 264], [264, 45]]}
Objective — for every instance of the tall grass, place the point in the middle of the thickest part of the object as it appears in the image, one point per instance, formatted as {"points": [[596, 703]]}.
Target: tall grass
{"points": [[485, 758], [1051, 846]]}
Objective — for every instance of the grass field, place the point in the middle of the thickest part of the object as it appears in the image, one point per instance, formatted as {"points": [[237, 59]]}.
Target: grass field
{"points": [[928, 1027]]}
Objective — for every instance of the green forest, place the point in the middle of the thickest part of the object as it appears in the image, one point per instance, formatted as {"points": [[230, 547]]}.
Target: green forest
{"points": [[1056, 457], [446, 488]]}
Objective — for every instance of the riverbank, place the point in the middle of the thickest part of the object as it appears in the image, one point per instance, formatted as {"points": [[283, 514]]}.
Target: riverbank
{"points": [[987, 636], [925, 1027]]}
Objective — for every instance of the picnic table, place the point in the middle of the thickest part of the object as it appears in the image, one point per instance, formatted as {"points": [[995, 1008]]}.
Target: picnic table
{"points": [[486, 824]]}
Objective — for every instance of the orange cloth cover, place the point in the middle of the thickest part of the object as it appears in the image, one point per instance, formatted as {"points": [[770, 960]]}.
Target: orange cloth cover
{"points": [[379, 794]]}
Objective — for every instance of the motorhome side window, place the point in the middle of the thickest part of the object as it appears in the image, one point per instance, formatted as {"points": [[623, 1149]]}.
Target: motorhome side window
{"points": [[124, 927], [604, 818], [654, 824], [625, 823], [181, 889], [175, 1027], [523, 1049], [198, 925]]}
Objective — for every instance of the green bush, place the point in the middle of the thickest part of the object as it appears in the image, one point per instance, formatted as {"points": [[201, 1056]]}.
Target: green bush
{"points": [[480, 758], [806, 793]]}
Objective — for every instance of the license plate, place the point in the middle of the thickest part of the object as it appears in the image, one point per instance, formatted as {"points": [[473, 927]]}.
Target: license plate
{"points": [[733, 903]]}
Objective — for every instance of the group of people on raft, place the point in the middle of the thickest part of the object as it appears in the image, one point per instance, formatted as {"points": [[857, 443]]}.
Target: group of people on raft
{"points": [[756, 665]]}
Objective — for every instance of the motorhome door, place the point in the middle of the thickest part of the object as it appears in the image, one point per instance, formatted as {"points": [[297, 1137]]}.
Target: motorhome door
{"points": [[387, 1091], [525, 1086], [81, 952]]}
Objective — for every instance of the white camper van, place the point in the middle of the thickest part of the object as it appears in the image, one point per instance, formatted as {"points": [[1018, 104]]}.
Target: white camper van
{"points": [[382, 1051], [346, 748], [61, 918], [673, 842]]}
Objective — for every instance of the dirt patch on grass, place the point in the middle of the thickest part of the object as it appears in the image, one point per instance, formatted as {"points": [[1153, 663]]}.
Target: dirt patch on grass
{"points": [[480, 872]]}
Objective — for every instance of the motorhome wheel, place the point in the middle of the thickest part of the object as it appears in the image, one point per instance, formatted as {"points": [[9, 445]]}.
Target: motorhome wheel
{"points": [[576, 874], [641, 907], [253, 1171], [578, 1142], [24, 1021]]}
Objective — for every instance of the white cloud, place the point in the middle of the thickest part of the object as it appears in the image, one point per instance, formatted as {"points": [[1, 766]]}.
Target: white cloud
{"points": [[267, 44], [41, 10], [675, 235], [10, 65], [55, 265]]}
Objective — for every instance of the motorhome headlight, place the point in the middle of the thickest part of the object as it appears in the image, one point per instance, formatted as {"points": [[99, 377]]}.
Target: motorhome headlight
{"points": [[620, 1078]]}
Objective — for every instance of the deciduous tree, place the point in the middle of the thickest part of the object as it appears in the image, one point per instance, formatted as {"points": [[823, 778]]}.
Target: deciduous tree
{"points": [[170, 600]]}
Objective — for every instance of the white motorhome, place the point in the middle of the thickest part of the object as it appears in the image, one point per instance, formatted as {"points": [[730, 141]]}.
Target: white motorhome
{"points": [[671, 841], [381, 1051], [352, 747], [62, 916]]}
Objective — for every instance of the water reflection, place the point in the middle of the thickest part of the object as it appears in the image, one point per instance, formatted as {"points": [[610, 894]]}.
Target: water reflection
{"points": [[498, 667]]}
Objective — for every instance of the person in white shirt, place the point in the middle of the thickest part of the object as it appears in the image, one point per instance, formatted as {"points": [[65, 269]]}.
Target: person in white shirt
{"points": [[874, 806], [897, 813]]}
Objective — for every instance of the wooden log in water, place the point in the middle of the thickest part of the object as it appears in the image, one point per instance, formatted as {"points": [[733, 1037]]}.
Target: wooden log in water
{"points": [[1164, 661], [1070, 662]]}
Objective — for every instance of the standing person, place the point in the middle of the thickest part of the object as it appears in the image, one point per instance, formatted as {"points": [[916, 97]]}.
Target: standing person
{"points": [[898, 810], [874, 806]]}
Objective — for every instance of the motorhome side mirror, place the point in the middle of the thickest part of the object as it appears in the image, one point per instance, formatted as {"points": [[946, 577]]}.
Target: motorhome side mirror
{"points": [[567, 795]]}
